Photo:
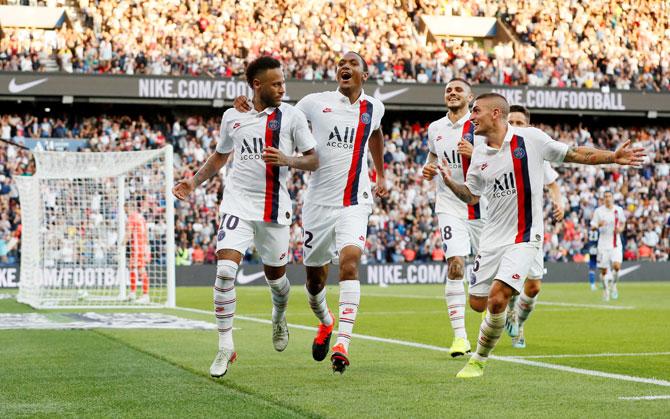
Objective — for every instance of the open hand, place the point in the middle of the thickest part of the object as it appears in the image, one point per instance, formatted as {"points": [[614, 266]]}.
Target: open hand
{"points": [[625, 155]]}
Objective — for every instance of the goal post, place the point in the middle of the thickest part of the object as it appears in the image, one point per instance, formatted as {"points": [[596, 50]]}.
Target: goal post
{"points": [[98, 230]]}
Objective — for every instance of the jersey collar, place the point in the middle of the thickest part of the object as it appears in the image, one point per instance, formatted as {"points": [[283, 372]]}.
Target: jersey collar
{"points": [[345, 99], [267, 111], [458, 123], [506, 140]]}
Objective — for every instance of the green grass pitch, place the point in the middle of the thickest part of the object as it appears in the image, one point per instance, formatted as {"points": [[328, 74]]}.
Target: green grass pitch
{"points": [[164, 373]]}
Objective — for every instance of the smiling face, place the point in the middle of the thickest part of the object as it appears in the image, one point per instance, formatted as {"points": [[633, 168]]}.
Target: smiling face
{"points": [[351, 71], [457, 95], [487, 112]]}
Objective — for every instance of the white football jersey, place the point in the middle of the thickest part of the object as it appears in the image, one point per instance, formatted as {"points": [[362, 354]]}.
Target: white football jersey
{"points": [[443, 138], [506, 178], [253, 190], [609, 237], [550, 175], [341, 130]]}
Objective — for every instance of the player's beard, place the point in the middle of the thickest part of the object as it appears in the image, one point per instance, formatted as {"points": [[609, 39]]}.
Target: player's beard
{"points": [[268, 99]]}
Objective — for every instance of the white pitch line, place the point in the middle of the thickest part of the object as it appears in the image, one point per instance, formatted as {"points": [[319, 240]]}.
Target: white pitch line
{"points": [[663, 397], [602, 355], [513, 360], [546, 303]]}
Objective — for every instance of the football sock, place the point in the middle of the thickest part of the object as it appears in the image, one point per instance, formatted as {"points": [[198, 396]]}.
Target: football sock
{"points": [[280, 289], [524, 307], [225, 301], [489, 333], [319, 306], [350, 296], [455, 295]]}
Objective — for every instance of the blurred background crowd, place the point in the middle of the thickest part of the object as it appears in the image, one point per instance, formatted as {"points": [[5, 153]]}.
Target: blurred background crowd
{"points": [[561, 43], [402, 228]]}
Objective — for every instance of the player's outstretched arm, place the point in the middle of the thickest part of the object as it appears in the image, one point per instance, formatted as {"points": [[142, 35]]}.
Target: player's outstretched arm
{"points": [[214, 163], [555, 195], [459, 189], [624, 155], [308, 161], [376, 144]]}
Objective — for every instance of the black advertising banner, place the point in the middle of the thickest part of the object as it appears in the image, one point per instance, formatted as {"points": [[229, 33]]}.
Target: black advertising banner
{"points": [[220, 92]]}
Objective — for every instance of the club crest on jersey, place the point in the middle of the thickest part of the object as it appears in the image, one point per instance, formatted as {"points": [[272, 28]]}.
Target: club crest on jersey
{"points": [[366, 118], [519, 153], [467, 137], [221, 235], [273, 125]]}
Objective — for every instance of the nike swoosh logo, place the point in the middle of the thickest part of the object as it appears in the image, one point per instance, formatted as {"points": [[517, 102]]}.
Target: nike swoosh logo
{"points": [[628, 270], [18, 88], [243, 279], [388, 95]]}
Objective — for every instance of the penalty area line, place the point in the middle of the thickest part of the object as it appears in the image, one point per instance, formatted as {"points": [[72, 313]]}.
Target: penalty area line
{"points": [[513, 360]]}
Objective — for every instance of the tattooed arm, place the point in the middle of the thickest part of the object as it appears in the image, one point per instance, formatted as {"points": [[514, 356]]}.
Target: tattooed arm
{"points": [[624, 155]]}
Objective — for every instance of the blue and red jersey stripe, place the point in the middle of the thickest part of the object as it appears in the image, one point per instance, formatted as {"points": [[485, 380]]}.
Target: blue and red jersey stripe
{"points": [[468, 134], [362, 135], [523, 190], [272, 130]]}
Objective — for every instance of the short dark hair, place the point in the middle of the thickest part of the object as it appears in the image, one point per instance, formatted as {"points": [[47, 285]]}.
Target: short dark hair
{"points": [[498, 97], [461, 80], [259, 65], [360, 57], [521, 109]]}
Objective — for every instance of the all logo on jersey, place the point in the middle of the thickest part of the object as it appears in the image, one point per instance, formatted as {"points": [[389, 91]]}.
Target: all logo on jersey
{"points": [[504, 185], [252, 149], [453, 159], [366, 118], [342, 138], [519, 153]]}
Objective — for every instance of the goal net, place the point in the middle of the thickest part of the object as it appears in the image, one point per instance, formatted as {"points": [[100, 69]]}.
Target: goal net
{"points": [[98, 230]]}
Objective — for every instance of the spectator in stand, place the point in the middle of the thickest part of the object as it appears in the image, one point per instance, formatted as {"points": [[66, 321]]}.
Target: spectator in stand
{"points": [[599, 43], [400, 228]]}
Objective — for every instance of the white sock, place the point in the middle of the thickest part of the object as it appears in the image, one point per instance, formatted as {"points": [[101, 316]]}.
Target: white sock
{"points": [[524, 306], [319, 306], [489, 333], [225, 301], [350, 297], [512, 303], [455, 295], [280, 289]]}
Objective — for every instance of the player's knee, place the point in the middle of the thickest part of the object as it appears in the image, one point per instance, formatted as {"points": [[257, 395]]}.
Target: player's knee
{"points": [[498, 299], [274, 272], [348, 270], [478, 304], [316, 279], [532, 288], [456, 267], [226, 271]]}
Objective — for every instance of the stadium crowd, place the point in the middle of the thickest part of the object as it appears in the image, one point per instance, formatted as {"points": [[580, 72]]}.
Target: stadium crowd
{"points": [[620, 44], [402, 227]]}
